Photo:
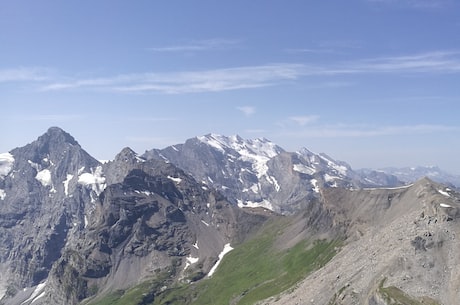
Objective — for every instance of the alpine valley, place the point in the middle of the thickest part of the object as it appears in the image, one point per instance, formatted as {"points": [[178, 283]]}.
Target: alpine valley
{"points": [[220, 220]]}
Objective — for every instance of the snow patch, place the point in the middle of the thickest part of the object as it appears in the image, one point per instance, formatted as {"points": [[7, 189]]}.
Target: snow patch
{"points": [[147, 193], [388, 188], [205, 223], [195, 245], [251, 204], [255, 188], [444, 193], [95, 179], [445, 205], [177, 180], [341, 169], [227, 248], [2, 196], [34, 165], [66, 184], [139, 159], [190, 260], [303, 169], [314, 182], [6, 164], [38, 293], [44, 176], [329, 178], [273, 181]]}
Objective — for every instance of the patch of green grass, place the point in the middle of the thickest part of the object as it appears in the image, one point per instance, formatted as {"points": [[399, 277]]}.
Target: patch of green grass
{"points": [[253, 271], [256, 270], [133, 296], [395, 296]]}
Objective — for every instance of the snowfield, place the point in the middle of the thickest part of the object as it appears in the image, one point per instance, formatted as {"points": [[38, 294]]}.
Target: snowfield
{"points": [[6, 164], [44, 176], [95, 179], [227, 248]]}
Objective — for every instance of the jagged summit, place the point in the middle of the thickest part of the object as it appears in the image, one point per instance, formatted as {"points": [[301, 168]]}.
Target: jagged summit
{"points": [[56, 134], [259, 146], [126, 154]]}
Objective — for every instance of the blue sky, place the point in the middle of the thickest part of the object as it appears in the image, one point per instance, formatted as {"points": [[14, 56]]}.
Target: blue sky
{"points": [[372, 82]]}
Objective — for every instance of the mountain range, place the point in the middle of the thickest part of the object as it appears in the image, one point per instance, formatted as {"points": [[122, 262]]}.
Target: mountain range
{"points": [[220, 220]]}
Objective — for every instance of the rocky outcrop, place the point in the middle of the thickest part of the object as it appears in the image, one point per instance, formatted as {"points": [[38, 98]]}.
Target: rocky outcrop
{"points": [[72, 228], [401, 246]]}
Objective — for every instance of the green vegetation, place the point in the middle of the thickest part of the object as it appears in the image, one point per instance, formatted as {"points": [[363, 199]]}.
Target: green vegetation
{"points": [[395, 296], [253, 271]]}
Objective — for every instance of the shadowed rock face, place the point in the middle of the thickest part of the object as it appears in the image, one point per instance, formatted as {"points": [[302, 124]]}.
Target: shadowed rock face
{"points": [[37, 211], [71, 224]]}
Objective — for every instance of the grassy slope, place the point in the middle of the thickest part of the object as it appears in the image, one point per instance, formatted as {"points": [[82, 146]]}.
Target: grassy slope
{"points": [[253, 271], [395, 296]]}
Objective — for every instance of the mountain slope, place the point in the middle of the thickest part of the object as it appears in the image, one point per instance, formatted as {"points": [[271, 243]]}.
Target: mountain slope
{"points": [[42, 201], [258, 173], [72, 228], [174, 227], [402, 247]]}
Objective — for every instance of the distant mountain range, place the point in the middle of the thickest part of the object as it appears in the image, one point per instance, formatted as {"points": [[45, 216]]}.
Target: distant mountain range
{"points": [[220, 220], [411, 174]]}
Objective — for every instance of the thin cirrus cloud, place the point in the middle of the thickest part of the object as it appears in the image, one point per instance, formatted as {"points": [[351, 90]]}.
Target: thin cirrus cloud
{"points": [[246, 77], [419, 4], [23, 74], [199, 45], [47, 117], [304, 120], [352, 131], [247, 110], [189, 81]]}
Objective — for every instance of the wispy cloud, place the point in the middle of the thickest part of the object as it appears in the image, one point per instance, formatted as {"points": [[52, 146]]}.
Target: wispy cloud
{"points": [[198, 45], [304, 120], [353, 131], [22, 74], [189, 81], [247, 110], [246, 77], [47, 117], [418, 4], [439, 61]]}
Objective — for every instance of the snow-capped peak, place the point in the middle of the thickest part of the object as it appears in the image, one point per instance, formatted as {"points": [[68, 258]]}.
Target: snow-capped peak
{"points": [[260, 146]]}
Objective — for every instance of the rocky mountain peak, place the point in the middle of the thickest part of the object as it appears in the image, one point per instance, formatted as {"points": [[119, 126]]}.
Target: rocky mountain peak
{"points": [[54, 139], [126, 154]]}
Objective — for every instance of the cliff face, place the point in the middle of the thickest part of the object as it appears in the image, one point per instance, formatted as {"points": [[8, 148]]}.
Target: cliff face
{"points": [[42, 203], [72, 227]]}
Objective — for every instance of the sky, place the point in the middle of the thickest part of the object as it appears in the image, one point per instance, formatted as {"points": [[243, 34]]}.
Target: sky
{"points": [[375, 83]]}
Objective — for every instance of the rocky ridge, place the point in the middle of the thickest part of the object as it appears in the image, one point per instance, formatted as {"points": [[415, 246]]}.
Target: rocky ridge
{"points": [[401, 242], [258, 173], [72, 227], [75, 230]]}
